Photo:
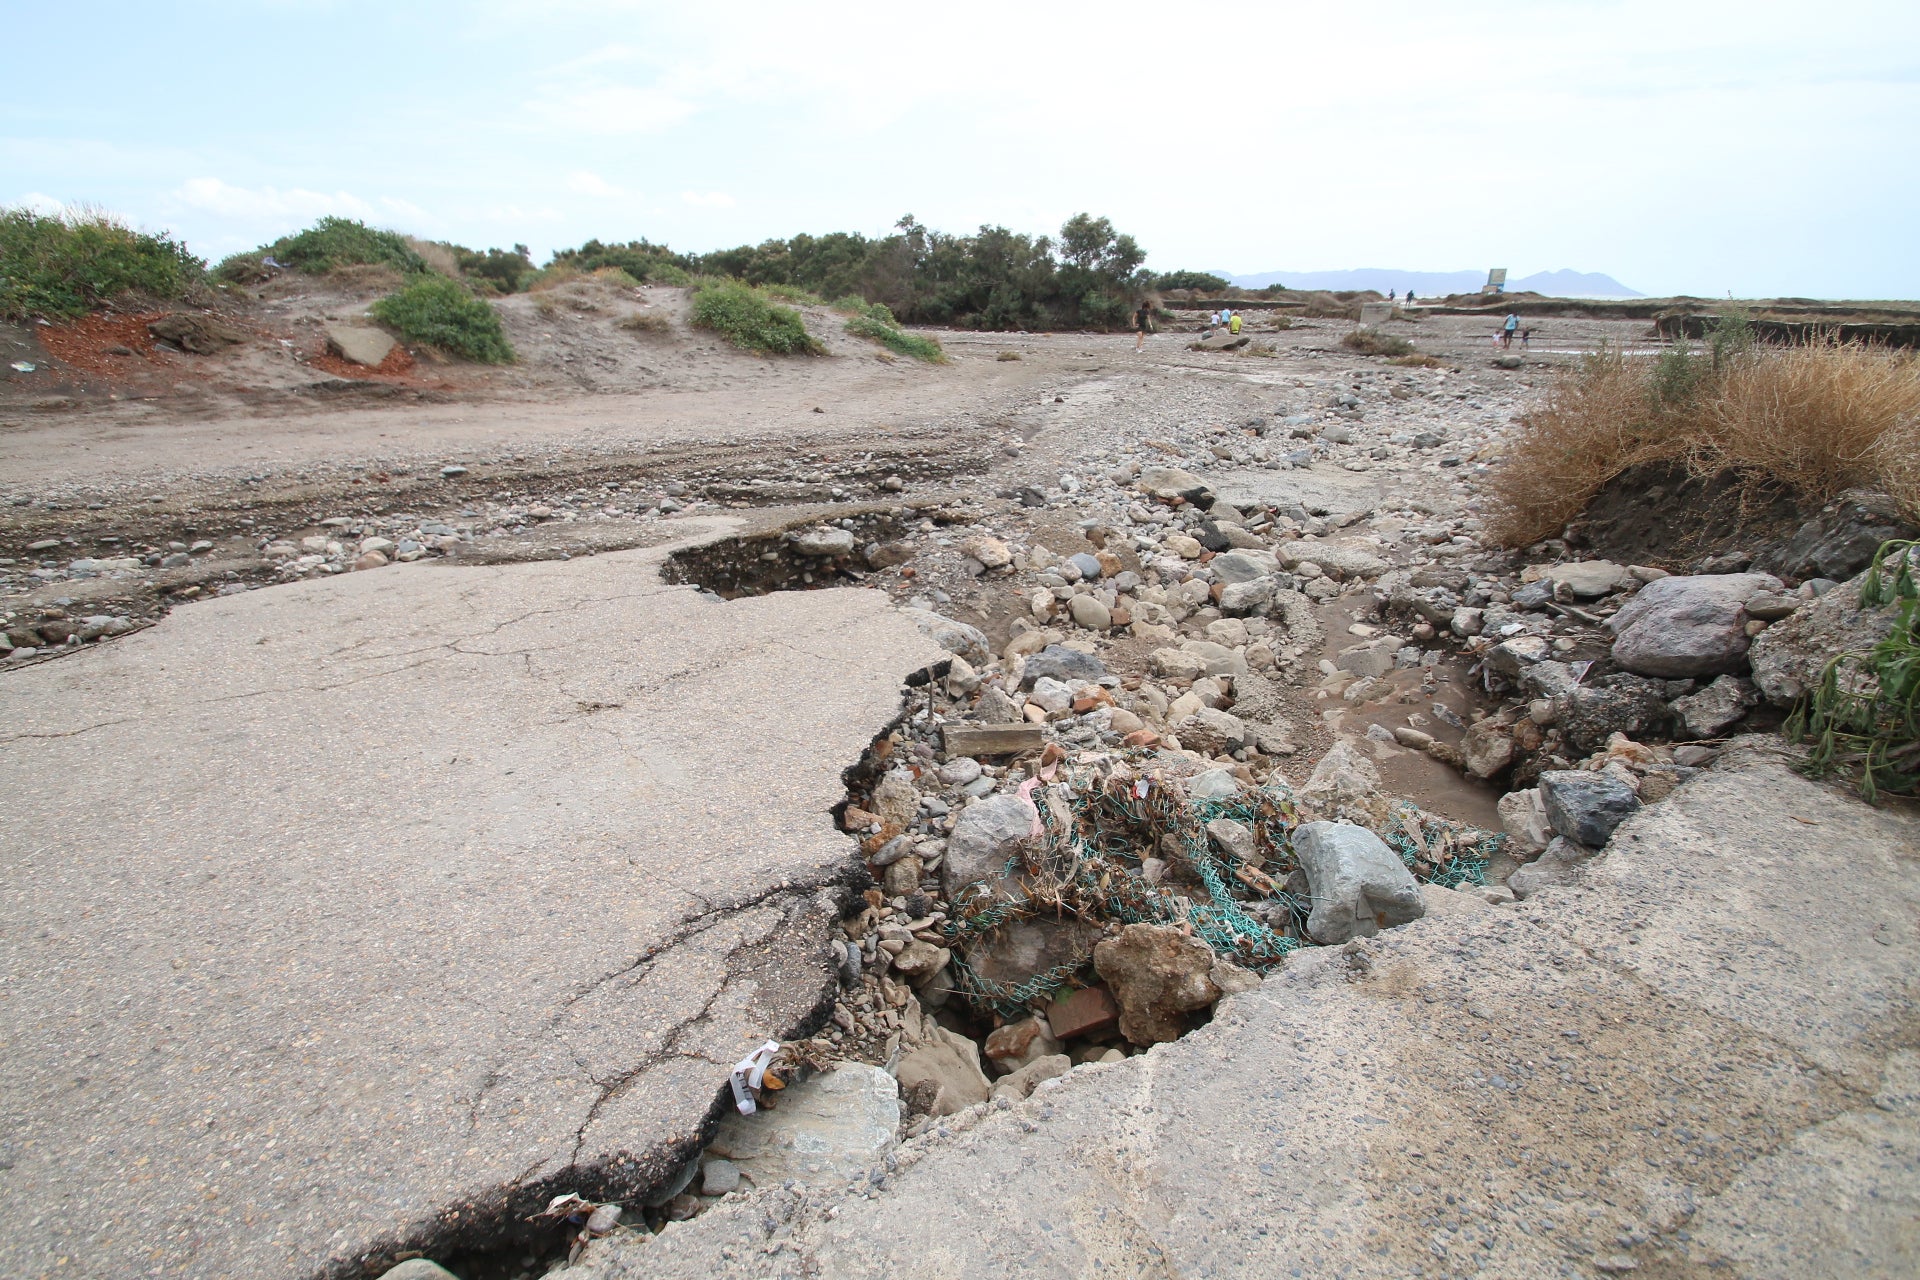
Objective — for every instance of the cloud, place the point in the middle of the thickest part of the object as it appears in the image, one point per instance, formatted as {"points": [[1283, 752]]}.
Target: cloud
{"points": [[211, 195], [587, 183], [612, 109], [708, 199], [44, 205]]}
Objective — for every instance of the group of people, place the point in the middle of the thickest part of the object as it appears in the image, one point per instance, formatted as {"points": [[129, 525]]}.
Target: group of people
{"points": [[1510, 327], [1225, 317], [1409, 297]]}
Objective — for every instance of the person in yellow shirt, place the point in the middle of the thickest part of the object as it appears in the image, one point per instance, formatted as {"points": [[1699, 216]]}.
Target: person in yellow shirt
{"points": [[1233, 325]]}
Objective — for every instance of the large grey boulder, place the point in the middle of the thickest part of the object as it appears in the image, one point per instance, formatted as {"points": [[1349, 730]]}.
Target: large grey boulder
{"points": [[1243, 566], [963, 638], [983, 838], [1789, 656], [361, 344], [826, 1129], [1590, 579], [1341, 559], [1589, 716], [1359, 885], [824, 541], [1687, 626], [1586, 807]]}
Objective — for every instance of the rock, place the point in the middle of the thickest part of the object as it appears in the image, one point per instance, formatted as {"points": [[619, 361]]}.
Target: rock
{"points": [[1772, 606], [1243, 566], [982, 840], [1231, 978], [1359, 885], [1020, 949], [361, 344], [1212, 733], [1235, 839], [371, 560], [1088, 564], [1687, 626], [825, 1130], [1169, 483], [1589, 716], [1788, 657], [1216, 659], [1841, 540], [1591, 579], [824, 540], [1184, 547], [1214, 784], [1084, 1011], [1523, 816], [1586, 807], [1021, 1083], [1716, 708], [921, 960], [1487, 748], [942, 1074], [1343, 779], [955, 637], [1090, 613], [1050, 695], [1559, 865], [896, 801], [1176, 664], [994, 708], [902, 876], [1343, 560], [1511, 657], [1370, 658], [1061, 663], [719, 1177], [1016, 1044], [1157, 975], [203, 335], [959, 772], [418, 1269], [1247, 597], [1222, 340], [990, 552]]}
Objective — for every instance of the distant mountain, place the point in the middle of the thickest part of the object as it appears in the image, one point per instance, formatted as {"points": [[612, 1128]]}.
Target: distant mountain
{"points": [[1429, 284]]}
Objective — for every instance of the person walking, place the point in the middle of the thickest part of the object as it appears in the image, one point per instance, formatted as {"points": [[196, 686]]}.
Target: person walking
{"points": [[1141, 319], [1507, 331], [1409, 297], [1233, 325]]}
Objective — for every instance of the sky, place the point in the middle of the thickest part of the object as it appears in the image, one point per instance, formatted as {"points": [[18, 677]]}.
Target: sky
{"points": [[1682, 146]]}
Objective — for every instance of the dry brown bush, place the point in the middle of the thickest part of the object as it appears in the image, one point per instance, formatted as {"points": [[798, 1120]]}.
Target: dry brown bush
{"points": [[646, 322], [1817, 418], [438, 257]]}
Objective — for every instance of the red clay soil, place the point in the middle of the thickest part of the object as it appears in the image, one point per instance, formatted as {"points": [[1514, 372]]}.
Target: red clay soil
{"points": [[398, 364], [84, 344]]}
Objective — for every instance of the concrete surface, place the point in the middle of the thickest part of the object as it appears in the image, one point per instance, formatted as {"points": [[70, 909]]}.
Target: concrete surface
{"points": [[335, 912], [1697, 1063]]}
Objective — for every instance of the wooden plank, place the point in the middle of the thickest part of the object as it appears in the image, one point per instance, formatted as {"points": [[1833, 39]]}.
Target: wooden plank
{"points": [[992, 739]]}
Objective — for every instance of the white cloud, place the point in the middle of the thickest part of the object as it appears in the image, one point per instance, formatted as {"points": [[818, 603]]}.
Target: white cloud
{"points": [[708, 199], [44, 205], [211, 195], [588, 183], [612, 109]]}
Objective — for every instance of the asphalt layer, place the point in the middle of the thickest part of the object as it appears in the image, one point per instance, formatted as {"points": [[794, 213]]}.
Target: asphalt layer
{"points": [[342, 914]]}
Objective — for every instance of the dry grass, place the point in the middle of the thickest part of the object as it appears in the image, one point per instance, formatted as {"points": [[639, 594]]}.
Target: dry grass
{"points": [[1420, 360], [1371, 342], [1008, 355], [646, 322], [438, 257], [1817, 418]]}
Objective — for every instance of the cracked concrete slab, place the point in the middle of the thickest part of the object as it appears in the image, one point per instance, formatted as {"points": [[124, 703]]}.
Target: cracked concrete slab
{"points": [[1698, 1062], [337, 911]]}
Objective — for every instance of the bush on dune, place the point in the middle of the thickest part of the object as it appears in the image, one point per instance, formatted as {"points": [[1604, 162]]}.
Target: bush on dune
{"points": [[441, 313], [61, 266], [746, 318], [1814, 418], [877, 324], [330, 243]]}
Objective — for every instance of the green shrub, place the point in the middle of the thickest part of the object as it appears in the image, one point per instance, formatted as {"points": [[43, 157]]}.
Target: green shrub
{"points": [[343, 242], [747, 319], [1863, 718], [504, 272], [877, 324], [1201, 280], [793, 294], [669, 274], [441, 313], [62, 266]]}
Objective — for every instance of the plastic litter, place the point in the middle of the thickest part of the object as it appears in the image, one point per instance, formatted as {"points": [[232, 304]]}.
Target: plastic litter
{"points": [[595, 1220], [24, 366], [749, 1074]]}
